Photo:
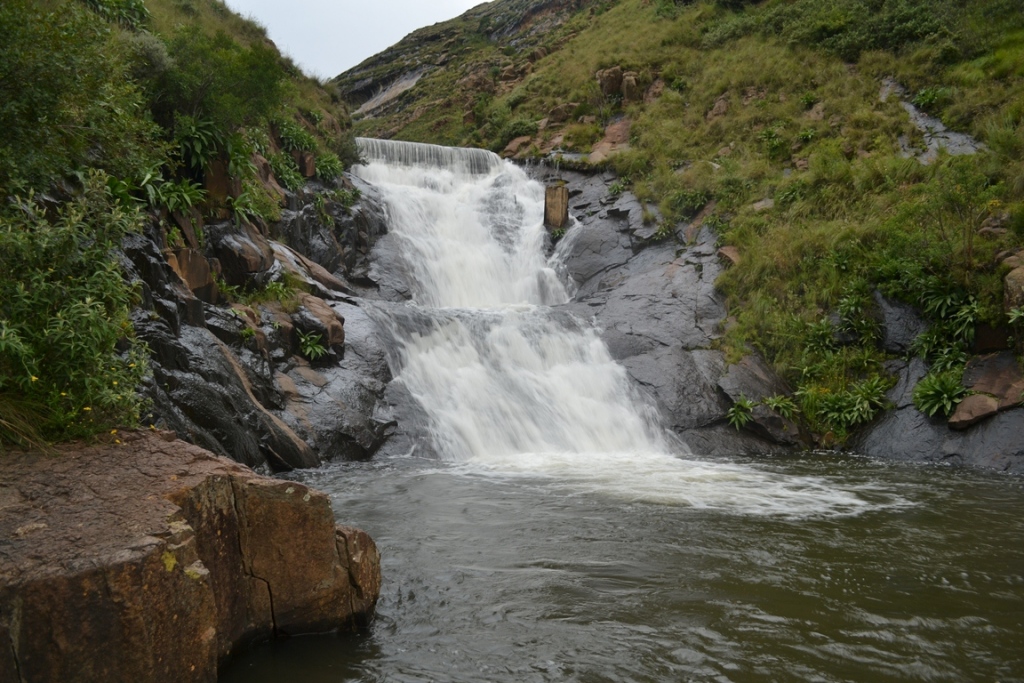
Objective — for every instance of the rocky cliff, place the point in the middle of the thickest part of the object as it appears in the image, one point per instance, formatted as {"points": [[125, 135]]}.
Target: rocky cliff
{"points": [[235, 378], [166, 556]]}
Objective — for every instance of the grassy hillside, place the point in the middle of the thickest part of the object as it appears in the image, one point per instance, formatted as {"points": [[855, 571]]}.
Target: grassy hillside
{"points": [[114, 113], [780, 100]]}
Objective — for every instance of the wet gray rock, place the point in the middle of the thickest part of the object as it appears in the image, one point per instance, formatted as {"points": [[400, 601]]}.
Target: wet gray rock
{"points": [[337, 238], [657, 309], [901, 324], [230, 378], [906, 434]]}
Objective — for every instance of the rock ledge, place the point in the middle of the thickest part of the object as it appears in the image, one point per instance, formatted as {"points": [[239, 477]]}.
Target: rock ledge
{"points": [[153, 560]]}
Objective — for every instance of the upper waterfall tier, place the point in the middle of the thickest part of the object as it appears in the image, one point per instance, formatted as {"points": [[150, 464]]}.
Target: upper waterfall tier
{"points": [[456, 159]]}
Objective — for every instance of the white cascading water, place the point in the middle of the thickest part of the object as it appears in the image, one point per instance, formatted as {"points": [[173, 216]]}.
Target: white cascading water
{"points": [[512, 387]]}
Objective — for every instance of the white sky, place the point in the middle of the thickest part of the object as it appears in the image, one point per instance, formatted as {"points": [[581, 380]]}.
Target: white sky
{"points": [[327, 37]]}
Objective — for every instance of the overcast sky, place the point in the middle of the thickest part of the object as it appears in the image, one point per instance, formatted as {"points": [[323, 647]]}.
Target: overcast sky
{"points": [[327, 37]]}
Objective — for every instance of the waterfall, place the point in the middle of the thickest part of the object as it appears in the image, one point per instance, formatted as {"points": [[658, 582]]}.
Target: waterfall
{"points": [[512, 385]]}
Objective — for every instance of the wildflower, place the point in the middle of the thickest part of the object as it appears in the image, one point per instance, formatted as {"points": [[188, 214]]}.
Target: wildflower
{"points": [[34, 378], [113, 431], [87, 408]]}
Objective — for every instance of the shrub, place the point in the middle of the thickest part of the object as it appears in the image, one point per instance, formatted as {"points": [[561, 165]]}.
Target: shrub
{"points": [[329, 166], [286, 172], [311, 345], [939, 392], [741, 413], [516, 128], [199, 141], [294, 138], [64, 307], [66, 100], [216, 78]]}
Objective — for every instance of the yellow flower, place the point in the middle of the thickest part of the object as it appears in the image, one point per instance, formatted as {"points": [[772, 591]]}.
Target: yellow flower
{"points": [[63, 393], [34, 378], [115, 382], [87, 408], [113, 431], [117, 440]]}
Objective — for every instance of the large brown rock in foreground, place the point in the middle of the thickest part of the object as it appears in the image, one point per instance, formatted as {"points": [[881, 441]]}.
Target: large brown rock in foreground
{"points": [[153, 560]]}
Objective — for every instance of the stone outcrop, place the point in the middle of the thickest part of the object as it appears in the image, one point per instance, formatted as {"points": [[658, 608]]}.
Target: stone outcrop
{"points": [[233, 379], [168, 556], [610, 81], [972, 410], [905, 434], [616, 139], [997, 375], [1014, 288]]}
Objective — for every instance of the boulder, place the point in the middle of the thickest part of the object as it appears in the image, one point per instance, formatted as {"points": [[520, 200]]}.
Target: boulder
{"points": [[901, 324], [610, 81], [655, 91], [562, 112], [973, 409], [1014, 289], [631, 90], [656, 307], [189, 221], [194, 270], [244, 253], [219, 184], [998, 375], [730, 255], [266, 176], [316, 316], [719, 109], [517, 145], [184, 559]]}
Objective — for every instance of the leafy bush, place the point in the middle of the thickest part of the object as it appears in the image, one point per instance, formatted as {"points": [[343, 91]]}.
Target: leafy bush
{"points": [[932, 99], [783, 405], [939, 392], [311, 345], [517, 128], [687, 203], [286, 172], [64, 307], [255, 203], [329, 166], [199, 141], [218, 79], [294, 138], [66, 101], [741, 413]]}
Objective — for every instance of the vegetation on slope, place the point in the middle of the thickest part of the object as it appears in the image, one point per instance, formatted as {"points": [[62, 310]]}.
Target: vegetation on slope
{"points": [[114, 112], [780, 100]]}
